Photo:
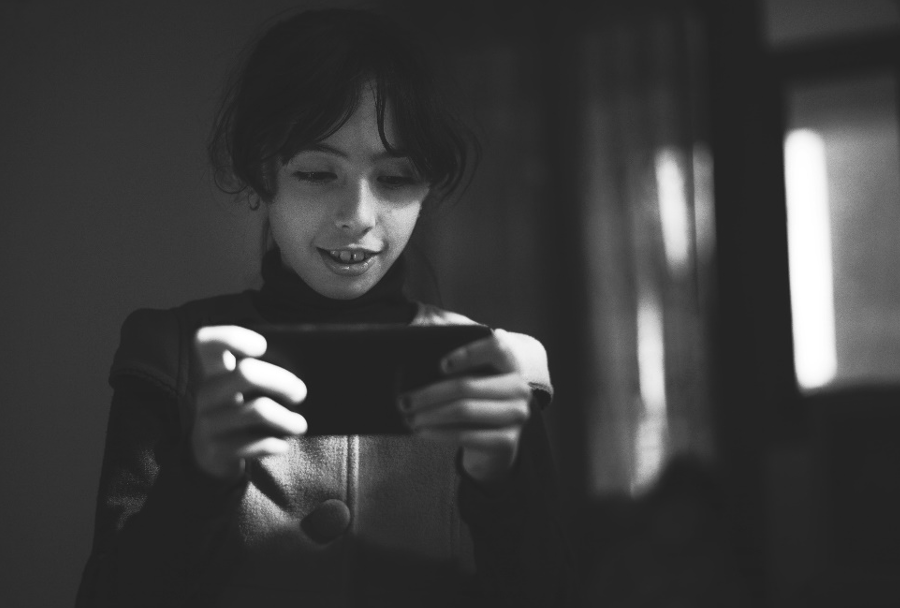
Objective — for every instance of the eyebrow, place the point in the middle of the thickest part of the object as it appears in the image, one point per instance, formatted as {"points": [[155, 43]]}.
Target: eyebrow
{"points": [[328, 149]]}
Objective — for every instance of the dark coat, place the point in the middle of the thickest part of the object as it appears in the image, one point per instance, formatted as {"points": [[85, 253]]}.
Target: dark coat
{"points": [[336, 521]]}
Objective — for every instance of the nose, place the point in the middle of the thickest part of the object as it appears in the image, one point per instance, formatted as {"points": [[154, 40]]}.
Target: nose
{"points": [[357, 209]]}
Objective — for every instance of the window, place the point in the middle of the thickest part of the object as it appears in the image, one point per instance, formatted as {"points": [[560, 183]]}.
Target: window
{"points": [[839, 65], [842, 166]]}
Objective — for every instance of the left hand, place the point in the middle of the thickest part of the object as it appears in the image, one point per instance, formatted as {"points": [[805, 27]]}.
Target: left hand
{"points": [[484, 414]]}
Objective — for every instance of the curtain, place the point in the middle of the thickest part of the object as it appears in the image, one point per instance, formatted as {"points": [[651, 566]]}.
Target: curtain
{"points": [[646, 202], [621, 99]]}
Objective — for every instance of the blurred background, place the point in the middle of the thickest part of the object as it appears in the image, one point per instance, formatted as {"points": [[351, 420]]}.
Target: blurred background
{"points": [[694, 204]]}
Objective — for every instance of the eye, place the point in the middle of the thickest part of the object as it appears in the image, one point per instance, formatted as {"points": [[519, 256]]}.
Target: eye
{"points": [[398, 181], [315, 177]]}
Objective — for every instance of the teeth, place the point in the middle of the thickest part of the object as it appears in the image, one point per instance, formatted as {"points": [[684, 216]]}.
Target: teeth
{"points": [[348, 257]]}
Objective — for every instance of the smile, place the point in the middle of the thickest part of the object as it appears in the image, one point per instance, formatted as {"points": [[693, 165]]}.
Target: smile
{"points": [[348, 262], [349, 256]]}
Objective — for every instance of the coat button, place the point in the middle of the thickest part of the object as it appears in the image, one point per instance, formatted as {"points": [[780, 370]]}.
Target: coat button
{"points": [[327, 521]]}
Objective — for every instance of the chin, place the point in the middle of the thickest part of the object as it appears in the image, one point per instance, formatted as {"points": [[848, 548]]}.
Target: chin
{"points": [[345, 292]]}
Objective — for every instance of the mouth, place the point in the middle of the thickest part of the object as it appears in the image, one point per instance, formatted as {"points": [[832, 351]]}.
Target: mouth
{"points": [[348, 256], [348, 262]]}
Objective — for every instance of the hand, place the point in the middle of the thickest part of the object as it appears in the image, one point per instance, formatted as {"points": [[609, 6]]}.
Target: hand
{"points": [[227, 430], [484, 414]]}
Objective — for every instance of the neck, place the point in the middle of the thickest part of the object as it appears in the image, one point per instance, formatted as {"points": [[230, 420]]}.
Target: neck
{"points": [[286, 298]]}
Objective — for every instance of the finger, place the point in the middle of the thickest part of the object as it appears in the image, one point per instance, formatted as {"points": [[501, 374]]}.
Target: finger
{"points": [[250, 375], [262, 416], [500, 387], [218, 346], [472, 414], [494, 352]]}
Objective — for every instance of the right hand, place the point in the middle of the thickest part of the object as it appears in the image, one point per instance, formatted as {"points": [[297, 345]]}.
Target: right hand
{"points": [[227, 430]]}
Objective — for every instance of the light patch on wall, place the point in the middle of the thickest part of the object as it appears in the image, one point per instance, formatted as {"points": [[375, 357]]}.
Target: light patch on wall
{"points": [[650, 444], [673, 208], [810, 257]]}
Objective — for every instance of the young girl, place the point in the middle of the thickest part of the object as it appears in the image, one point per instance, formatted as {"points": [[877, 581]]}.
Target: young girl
{"points": [[208, 498]]}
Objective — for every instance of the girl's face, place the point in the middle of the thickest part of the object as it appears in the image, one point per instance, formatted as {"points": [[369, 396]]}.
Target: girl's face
{"points": [[344, 208]]}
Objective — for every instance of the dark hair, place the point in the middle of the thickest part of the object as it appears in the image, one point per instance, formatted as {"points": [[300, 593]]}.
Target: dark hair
{"points": [[303, 80]]}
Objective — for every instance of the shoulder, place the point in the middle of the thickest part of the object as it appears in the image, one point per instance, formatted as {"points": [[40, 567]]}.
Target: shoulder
{"points": [[155, 344], [532, 358], [148, 349], [529, 352]]}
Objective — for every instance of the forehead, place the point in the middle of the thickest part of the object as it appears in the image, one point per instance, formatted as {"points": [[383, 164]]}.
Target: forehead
{"points": [[361, 128]]}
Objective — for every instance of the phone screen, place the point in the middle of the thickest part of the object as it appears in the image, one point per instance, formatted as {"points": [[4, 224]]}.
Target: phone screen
{"points": [[355, 373]]}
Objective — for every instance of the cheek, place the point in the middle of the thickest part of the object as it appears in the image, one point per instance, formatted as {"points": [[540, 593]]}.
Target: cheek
{"points": [[403, 221], [294, 218], [286, 230], [401, 230]]}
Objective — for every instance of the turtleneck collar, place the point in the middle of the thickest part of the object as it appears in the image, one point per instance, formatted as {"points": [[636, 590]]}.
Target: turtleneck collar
{"points": [[286, 298]]}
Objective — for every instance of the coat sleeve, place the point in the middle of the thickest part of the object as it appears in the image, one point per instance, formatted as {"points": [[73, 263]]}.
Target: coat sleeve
{"points": [[522, 555], [161, 527]]}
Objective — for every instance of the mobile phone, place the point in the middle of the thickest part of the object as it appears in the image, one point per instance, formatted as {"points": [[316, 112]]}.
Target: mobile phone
{"points": [[355, 373]]}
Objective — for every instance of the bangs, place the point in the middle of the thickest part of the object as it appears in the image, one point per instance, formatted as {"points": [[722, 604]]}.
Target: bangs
{"points": [[429, 137]]}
